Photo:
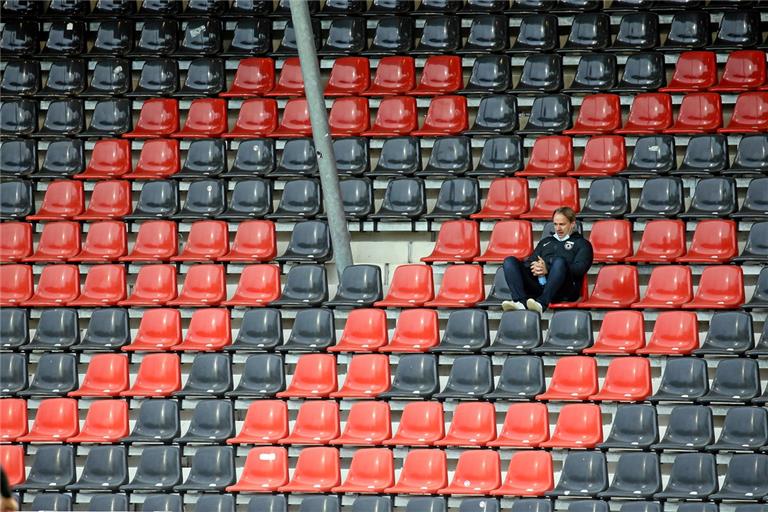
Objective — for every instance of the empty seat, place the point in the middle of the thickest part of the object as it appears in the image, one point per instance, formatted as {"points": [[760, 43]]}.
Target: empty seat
{"points": [[266, 469], [653, 155], [669, 287], [660, 197], [611, 240], [663, 240], [18, 157], [56, 502], [744, 428], [735, 380], [688, 30], [626, 380], [107, 375], [14, 328], [158, 421], [615, 287], [595, 72], [158, 503], [411, 286], [351, 156], [692, 475], [317, 469], [423, 470], [477, 472], [501, 156], [441, 34], [637, 475], [13, 372], [590, 31], [209, 330], [65, 38], [254, 76], [440, 75], [108, 502], [754, 205], [155, 241], [471, 376], [250, 36], [345, 36], [57, 285], [110, 118], [106, 422], [253, 158], [18, 117], [421, 424], [316, 423], [57, 329], [705, 155], [549, 114], [360, 286], [314, 377], [416, 376], [254, 242], [53, 468], [58, 242], [209, 375], [298, 159], [569, 332], [159, 159], [110, 158], [159, 469], [305, 286], [349, 76], [159, 77], [729, 332], [447, 115], [462, 286], [14, 416], [578, 426], [301, 199], [621, 332], [598, 114], [451, 156], [550, 156], [529, 474], [205, 158], [258, 285], [675, 332], [683, 379], [367, 375], [16, 199], [63, 159], [726, 291], [458, 197], [158, 37], [538, 32], [522, 377], [105, 468], [607, 197], [397, 115], [17, 284], [155, 285], [642, 72], [159, 117], [21, 78], [634, 426], [749, 114], [518, 332], [158, 375], [749, 159], [574, 378], [490, 74], [20, 37], [310, 241], [713, 241], [738, 29], [694, 71], [55, 421], [212, 468], [584, 474], [200, 37], [744, 70], [603, 156], [205, 77], [371, 470], [205, 198], [541, 73], [416, 331], [263, 377], [551, 194], [110, 199], [508, 238], [207, 241], [404, 198], [700, 112]]}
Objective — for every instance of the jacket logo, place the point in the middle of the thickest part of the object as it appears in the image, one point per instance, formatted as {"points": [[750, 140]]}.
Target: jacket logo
{"points": [[568, 245]]}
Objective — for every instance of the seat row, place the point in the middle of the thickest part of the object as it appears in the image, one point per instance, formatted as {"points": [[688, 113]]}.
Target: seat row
{"points": [[370, 423], [365, 330], [628, 379], [423, 471]]}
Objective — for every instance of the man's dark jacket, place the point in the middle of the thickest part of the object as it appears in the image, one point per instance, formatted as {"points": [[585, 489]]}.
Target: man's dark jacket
{"points": [[577, 253]]}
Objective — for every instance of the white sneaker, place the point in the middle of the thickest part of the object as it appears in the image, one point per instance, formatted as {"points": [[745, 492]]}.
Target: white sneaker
{"points": [[533, 305], [512, 305]]}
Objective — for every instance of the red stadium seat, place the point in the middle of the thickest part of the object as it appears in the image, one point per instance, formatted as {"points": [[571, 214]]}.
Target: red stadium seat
{"points": [[265, 470], [13, 419], [508, 238], [441, 74], [59, 241], [159, 376], [372, 470], [16, 284], [603, 156], [295, 121], [669, 287], [416, 331], [255, 76], [367, 376], [477, 472], [550, 156], [720, 287], [291, 81], [616, 287], [104, 286], [714, 241], [368, 423], [55, 421], [63, 199], [529, 474], [58, 285], [628, 379], [266, 422], [574, 378], [395, 116], [411, 287], [424, 472], [578, 426], [457, 240], [421, 424], [750, 114], [462, 287], [159, 158], [104, 241], [204, 285], [621, 332], [526, 425], [650, 113], [259, 285], [317, 470], [599, 113], [12, 461], [15, 241], [107, 375], [313, 377], [206, 117], [694, 71], [209, 331], [674, 333], [106, 422], [349, 116], [365, 331], [257, 118], [473, 424], [552, 194], [507, 198], [155, 285], [157, 240], [744, 70], [350, 76], [447, 115], [159, 117], [663, 241], [394, 75], [611, 240], [317, 422], [700, 112], [255, 241], [208, 240], [110, 158], [159, 330], [109, 200]]}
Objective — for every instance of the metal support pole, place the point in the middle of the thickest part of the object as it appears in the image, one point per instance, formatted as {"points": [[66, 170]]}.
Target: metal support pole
{"points": [[321, 133]]}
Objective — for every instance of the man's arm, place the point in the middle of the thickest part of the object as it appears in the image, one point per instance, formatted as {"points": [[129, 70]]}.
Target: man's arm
{"points": [[536, 253], [582, 261]]}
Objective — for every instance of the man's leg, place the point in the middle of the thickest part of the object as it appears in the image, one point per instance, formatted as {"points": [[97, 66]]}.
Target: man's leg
{"points": [[557, 273], [522, 284]]}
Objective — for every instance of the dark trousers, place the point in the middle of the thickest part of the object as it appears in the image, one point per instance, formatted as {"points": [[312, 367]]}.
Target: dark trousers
{"points": [[524, 285]]}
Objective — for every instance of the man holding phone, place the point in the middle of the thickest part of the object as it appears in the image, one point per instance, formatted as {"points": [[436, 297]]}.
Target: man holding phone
{"points": [[554, 272]]}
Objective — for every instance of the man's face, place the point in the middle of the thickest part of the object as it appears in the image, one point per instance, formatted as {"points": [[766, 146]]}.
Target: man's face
{"points": [[563, 226]]}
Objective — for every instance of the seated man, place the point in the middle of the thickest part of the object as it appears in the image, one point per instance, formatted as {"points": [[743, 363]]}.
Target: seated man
{"points": [[554, 272]]}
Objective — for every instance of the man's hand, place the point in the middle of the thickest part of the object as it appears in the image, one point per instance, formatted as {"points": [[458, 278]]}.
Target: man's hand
{"points": [[8, 505], [539, 268]]}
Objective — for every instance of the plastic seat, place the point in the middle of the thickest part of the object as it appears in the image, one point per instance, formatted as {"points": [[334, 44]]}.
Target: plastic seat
{"points": [[105, 468], [694, 71], [749, 114], [549, 114], [250, 198], [263, 376], [65, 39], [205, 199], [451, 156], [58, 285], [317, 470], [63, 159], [21, 78], [398, 116], [457, 198], [583, 474], [253, 158], [749, 156], [349, 76], [316, 423], [104, 286], [550, 156], [258, 285], [349, 116], [404, 199], [508, 238], [642, 72], [683, 379], [107, 375], [155, 241], [754, 205], [692, 475], [110, 199], [200, 37], [526, 425], [313, 330], [569, 332], [447, 115], [290, 82], [551, 194], [162, 503], [457, 240], [392, 35], [738, 29], [541, 73], [621, 332], [110, 78], [411, 286], [726, 291], [627, 380], [159, 158], [205, 158], [254, 242], [108, 502], [634, 426], [730, 332], [17, 284], [653, 155], [310, 241], [314, 377], [14, 329], [207, 240], [205, 118], [462, 286], [713, 241], [159, 375], [255, 76], [106, 422], [394, 75], [574, 378], [615, 287], [441, 34], [210, 373], [688, 30], [490, 74], [745, 478], [371, 470], [159, 77], [589, 31], [345, 36], [637, 475], [705, 155], [367, 375], [416, 331], [55, 421], [744, 70], [675, 332], [598, 114], [205, 77], [16, 199], [595, 72], [59, 241], [20, 37], [607, 197], [55, 502], [18, 117], [669, 287], [265, 470], [155, 285], [611, 241], [744, 428], [57, 330], [12, 457], [159, 117], [501, 155], [518, 332], [735, 380], [295, 121], [470, 376], [298, 160], [424, 471], [158, 421], [257, 117], [110, 158], [603, 156], [660, 197], [368, 423], [700, 112], [522, 377], [266, 422], [477, 472], [53, 468], [538, 33], [13, 370], [250, 36], [305, 286], [159, 469], [415, 377], [110, 118], [158, 37], [18, 157], [662, 241], [260, 329], [212, 468], [421, 424], [578, 426], [441, 75], [529, 474], [209, 330]]}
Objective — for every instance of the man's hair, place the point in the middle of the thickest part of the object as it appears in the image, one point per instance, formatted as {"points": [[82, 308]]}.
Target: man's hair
{"points": [[567, 212]]}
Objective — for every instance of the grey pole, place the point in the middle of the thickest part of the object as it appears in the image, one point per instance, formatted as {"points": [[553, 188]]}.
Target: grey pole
{"points": [[321, 133]]}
